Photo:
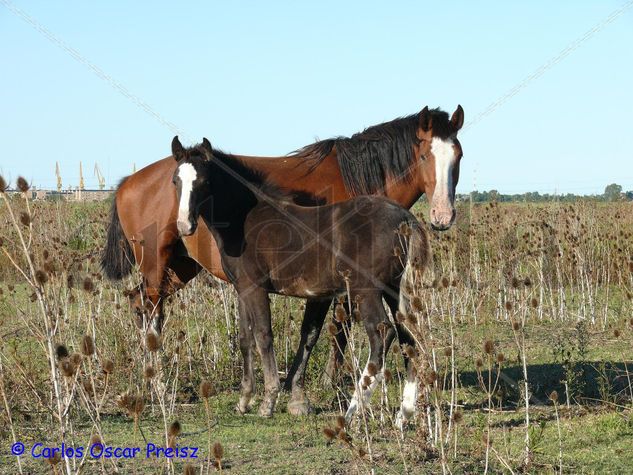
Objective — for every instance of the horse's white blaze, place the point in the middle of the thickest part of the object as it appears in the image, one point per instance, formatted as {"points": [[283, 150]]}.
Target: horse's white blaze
{"points": [[366, 393], [187, 174], [444, 153]]}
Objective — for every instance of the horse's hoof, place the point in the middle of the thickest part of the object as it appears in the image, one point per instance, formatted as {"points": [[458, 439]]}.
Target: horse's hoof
{"points": [[243, 407], [265, 411], [299, 408]]}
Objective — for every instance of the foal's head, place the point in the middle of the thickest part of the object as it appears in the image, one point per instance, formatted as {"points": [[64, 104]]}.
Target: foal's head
{"points": [[438, 155], [191, 181]]}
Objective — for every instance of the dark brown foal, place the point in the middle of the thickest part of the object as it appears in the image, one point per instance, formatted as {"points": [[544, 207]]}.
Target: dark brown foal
{"points": [[360, 248]]}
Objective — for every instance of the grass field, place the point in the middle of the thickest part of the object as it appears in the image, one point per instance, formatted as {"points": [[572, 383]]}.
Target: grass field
{"points": [[522, 299]]}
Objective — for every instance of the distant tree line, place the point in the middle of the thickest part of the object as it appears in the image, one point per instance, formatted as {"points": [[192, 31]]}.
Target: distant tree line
{"points": [[612, 192]]}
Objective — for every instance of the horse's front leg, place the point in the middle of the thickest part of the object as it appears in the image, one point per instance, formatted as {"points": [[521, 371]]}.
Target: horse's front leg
{"points": [[255, 306]]}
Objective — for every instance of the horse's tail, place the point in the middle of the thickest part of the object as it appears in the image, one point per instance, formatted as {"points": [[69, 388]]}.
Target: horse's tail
{"points": [[419, 258], [117, 256]]}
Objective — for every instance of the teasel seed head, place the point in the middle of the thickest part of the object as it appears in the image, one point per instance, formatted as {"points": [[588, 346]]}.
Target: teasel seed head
{"points": [[331, 329], [534, 302], [41, 277], [206, 389], [516, 326], [616, 333], [489, 347], [340, 314], [340, 422], [149, 372], [87, 345], [372, 369], [553, 396], [67, 367], [410, 351], [356, 315], [508, 305], [108, 366], [152, 341], [88, 285], [22, 184], [25, 219], [515, 283], [344, 437], [329, 433], [95, 440], [139, 405], [388, 376], [366, 382], [61, 351], [174, 429], [412, 320], [500, 358], [458, 416], [479, 363], [400, 317], [88, 387], [218, 451], [189, 470], [416, 304]]}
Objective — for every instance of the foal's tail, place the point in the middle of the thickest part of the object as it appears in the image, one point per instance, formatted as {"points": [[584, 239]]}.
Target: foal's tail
{"points": [[117, 256], [418, 260]]}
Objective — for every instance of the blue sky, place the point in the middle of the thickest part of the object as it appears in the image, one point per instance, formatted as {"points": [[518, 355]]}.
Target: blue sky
{"points": [[265, 78]]}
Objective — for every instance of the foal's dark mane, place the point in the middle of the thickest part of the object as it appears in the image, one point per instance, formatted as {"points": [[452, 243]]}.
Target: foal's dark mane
{"points": [[256, 178], [367, 158]]}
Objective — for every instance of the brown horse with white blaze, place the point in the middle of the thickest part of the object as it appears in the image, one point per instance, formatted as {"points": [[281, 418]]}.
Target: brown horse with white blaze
{"points": [[400, 159]]}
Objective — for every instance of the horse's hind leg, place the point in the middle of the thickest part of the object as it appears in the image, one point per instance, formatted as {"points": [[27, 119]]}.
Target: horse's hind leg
{"points": [[372, 314], [410, 391], [255, 306]]}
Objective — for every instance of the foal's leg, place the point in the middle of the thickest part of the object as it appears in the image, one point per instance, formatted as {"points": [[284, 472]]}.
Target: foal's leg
{"points": [[372, 314], [316, 311], [246, 348], [255, 305], [410, 391]]}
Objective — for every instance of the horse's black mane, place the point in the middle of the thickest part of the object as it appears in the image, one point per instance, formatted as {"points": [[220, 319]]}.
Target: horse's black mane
{"points": [[367, 158]]}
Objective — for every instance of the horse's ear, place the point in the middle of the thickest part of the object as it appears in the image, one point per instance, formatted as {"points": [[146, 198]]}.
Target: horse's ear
{"points": [[207, 148], [425, 119], [177, 150], [458, 118]]}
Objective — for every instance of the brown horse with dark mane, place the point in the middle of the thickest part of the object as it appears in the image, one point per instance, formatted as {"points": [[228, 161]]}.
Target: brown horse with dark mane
{"points": [[361, 248], [401, 160]]}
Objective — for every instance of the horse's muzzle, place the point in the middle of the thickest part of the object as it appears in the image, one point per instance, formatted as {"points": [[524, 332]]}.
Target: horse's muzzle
{"points": [[442, 220]]}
